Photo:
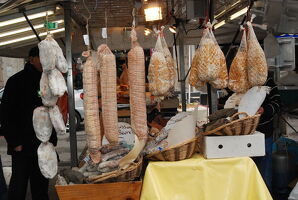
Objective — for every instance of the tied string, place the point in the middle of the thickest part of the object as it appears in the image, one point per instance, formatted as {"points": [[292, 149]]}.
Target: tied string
{"points": [[133, 18], [87, 25], [106, 21]]}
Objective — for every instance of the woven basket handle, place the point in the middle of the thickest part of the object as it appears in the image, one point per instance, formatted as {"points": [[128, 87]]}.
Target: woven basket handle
{"points": [[239, 113]]}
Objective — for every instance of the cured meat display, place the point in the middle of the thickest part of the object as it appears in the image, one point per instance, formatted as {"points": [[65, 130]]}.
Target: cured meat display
{"points": [[47, 160], [42, 123], [256, 60], [222, 80], [208, 58], [91, 108], [161, 74], [52, 86], [57, 120], [170, 63], [108, 92], [238, 75], [136, 73], [47, 54], [57, 83], [208, 63], [48, 99]]}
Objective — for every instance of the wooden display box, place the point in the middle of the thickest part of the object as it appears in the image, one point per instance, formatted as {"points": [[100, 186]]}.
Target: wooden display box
{"points": [[104, 191]]}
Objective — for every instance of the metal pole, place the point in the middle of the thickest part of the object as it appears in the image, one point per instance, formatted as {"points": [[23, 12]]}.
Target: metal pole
{"points": [[182, 69], [71, 105], [30, 24], [212, 92]]}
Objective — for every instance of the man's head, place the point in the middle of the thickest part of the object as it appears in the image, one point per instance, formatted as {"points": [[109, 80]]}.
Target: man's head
{"points": [[34, 58]]}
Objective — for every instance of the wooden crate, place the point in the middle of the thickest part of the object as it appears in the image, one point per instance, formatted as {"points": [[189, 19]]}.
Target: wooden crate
{"points": [[105, 191]]}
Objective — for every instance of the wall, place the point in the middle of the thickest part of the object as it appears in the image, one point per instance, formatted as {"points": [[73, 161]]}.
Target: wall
{"points": [[8, 67]]}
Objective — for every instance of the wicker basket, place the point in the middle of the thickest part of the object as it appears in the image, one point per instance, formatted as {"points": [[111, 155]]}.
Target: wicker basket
{"points": [[243, 126], [128, 174], [179, 152]]}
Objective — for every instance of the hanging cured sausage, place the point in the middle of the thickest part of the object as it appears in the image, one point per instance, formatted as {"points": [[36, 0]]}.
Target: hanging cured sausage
{"points": [[92, 124], [136, 73], [108, 92]]}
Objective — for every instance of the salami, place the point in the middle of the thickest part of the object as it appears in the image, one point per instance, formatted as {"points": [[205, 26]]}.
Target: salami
{"points": [[42, 124], [92, 124], [47, 160], [48, 99], [57, 83], [108, 93], [57, 120]]}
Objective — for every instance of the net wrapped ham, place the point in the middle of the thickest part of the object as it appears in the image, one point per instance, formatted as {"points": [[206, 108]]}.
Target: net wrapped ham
{"points": [[57, 120], [42, 123], [57, 83], [256, 60], [92, 124], [170, 63], [108, 92], [208, 58], [48, 99], [47, 54], [136, 73], [193, 75], [238, 77], [47, 160], [160, 75], [222, 80]]}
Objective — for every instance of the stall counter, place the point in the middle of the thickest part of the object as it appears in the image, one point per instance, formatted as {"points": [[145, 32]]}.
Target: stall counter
{"points": [[198, 178]]}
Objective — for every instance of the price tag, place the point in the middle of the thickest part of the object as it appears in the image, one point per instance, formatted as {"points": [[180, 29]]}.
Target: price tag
{"points": [[86, 39], [51, 25], [104, 33]]}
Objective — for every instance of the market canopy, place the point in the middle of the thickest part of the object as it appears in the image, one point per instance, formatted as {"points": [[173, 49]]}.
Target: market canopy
{"points": [[16, 38]]}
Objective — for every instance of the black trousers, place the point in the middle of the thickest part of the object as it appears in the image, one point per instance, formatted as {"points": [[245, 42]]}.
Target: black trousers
{"points": [[3, 187], [25, 168]]}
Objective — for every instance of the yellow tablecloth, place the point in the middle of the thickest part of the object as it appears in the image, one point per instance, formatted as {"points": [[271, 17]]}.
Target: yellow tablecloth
{"points": [[200, 179]]}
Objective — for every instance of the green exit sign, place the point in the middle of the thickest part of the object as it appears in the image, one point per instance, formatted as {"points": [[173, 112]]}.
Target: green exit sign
{"points": [[51, 25]]}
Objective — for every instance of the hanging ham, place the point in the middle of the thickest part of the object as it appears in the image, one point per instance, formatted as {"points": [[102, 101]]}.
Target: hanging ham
{"points": [[161, 73], [222, 80], [256, 60], [238, 76]]}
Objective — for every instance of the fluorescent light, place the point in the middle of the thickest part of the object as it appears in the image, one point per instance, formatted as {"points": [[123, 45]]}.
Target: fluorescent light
{"points": [[30, 37], [219, 24], [219, 13], [153, 13], [21, 19], [239, 13], [21, 30], [235, 3]]}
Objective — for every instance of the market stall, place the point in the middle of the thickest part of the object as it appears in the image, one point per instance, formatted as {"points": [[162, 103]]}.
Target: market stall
{"points": [[140, 140]]}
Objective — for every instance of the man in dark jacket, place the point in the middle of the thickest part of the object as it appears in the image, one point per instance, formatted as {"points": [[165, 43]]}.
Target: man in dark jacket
{"points": [[20, 98], [270, 107]]}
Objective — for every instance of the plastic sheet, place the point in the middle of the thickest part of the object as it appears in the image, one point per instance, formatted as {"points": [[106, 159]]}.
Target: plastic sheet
{"points": [[201, 179]]}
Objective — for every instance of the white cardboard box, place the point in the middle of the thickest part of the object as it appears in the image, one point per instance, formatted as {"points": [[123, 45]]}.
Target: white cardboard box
{"points": [[234, 146]]}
